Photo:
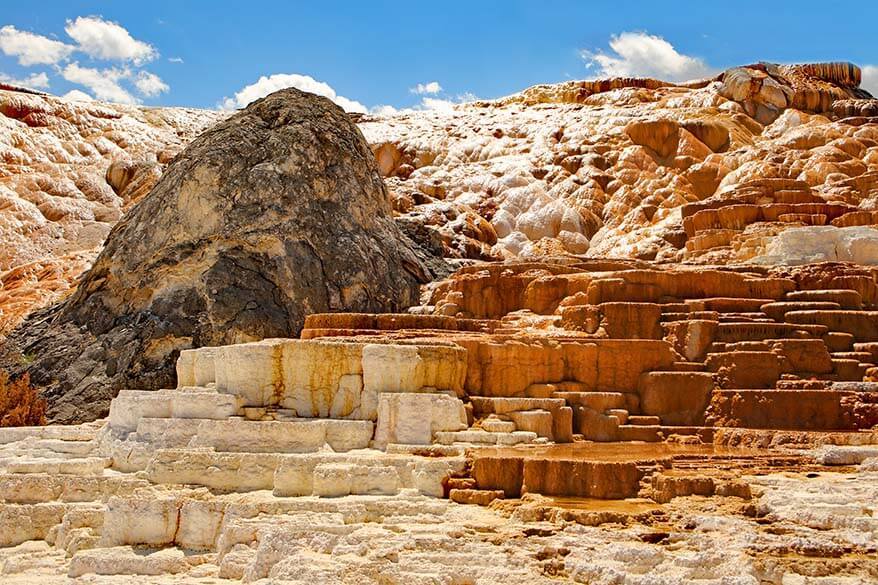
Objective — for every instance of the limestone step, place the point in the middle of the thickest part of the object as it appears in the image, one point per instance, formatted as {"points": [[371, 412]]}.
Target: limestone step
{"points": [[671, 317], [7, 456], [777, 310], [483, 405], [529, 471], [32, 488], [689, 367], [598, 401], [848, 370], [481, 437], [646, 433], [540, 390], [743, 331], [72, 466], [838, 341], [241, 435], [496, 425], [61, 446], [475, 496], [22, 522], [859, 356], [795, 409], [130, 406], [870, 348], [863, 325], [757, 317], [848, 299], [433, 450], [323, 473], [705, 434], [84, 432], [643, 420], [620, 413], [726, 304], [538, 421]]}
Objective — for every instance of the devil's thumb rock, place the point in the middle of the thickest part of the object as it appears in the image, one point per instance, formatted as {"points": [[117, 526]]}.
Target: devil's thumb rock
{"points": [[277, 212]]}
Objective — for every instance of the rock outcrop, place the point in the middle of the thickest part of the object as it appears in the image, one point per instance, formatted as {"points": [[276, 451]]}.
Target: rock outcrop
{"points": [[273, 214]]}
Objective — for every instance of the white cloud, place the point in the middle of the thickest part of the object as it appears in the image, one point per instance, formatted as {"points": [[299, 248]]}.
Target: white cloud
{"points": [[426, 104], [150, 84], [870, 79], [103, 39], [431, 87], [103, 82], [638, 54], [34, 81], [266, 85], [74, 95], [384, 110], [439, 105], [32, 49], [175, 59]]}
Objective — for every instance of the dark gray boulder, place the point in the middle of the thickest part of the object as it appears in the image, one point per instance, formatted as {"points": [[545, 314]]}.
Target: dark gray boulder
{"points": [[273, 214]]}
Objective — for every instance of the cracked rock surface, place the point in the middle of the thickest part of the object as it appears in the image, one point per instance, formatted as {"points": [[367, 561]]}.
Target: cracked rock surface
{"points": [[275, 213]]}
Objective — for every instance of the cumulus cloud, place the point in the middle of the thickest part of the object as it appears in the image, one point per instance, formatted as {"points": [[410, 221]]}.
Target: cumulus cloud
{"points": [[104, 39], [150, 84], [431, 87], [437, 104], [638, 54], [32, 49], [74, 95], [870, 79], [34, 81], [426, 104], [175, 59], [266, 85], [103, 82]]}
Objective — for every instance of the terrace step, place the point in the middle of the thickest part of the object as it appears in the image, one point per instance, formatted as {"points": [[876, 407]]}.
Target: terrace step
{"points": [[644, 420], [481, 437], [645, 433], [240, 435], [847, 299]]}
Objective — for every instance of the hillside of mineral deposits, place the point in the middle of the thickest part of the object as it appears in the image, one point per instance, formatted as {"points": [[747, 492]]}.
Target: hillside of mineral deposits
{"points": [[656, 361], [707, 172], [68, 172]]}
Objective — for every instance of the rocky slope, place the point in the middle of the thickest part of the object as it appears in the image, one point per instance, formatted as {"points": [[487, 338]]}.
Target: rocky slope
{"points": [[611, 167], [270, 215], [616, 167], [68, 172]]}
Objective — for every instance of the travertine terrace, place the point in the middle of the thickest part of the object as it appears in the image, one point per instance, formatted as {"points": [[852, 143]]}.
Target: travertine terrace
{"points": [[621, 420], [656, 362]]}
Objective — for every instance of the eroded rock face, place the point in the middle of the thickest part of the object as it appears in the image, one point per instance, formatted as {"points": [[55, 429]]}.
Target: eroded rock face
{"points": [[274, 213]]}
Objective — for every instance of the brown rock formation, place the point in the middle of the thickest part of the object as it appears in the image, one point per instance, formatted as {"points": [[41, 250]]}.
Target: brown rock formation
{"points": [[274, 213]]}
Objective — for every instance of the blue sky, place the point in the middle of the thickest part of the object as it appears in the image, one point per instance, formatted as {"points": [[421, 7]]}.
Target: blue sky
{"points": [[375, 53]]}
